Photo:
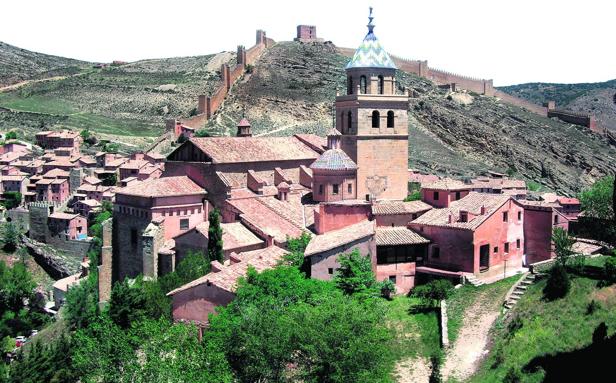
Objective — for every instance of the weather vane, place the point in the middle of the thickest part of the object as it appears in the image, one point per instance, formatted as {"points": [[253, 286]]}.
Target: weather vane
{"points": [[370, 17]]}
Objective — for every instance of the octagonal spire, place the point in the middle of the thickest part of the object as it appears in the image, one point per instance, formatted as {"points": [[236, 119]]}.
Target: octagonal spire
{"points": [[370, 53]]}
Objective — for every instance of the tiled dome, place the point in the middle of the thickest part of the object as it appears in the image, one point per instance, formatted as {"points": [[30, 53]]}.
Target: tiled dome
{"points": [[370, 53], [334, 159]]}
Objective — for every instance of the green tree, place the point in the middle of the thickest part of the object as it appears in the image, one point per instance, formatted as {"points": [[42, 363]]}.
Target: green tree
{"points": [[296, 248], [598, 201], [563, 244], [127, 304], [11, 200], [433, 292], [355, 274], [16, 286], [202, 133], [414, 196], [10, 237], [558, 283], [12, 135], [194, 265], [81, 304], [48, 362], [214, 240]]}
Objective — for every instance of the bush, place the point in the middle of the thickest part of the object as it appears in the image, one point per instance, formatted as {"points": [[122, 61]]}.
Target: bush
{"points": [[433, 292], [355, 274], [592, 307], [387, 288], [558, 283], [414, 196], [12, 135], [609, 270]]}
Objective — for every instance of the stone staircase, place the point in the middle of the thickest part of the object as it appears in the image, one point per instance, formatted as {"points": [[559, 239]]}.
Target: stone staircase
{"points": [[518, 290], [473, 280]]}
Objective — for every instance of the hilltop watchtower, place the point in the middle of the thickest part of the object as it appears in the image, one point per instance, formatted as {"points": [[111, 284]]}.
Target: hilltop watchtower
{"points": [[373, 121]]}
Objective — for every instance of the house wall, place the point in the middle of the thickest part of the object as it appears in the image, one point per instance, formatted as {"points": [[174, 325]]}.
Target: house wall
{"points": [[327, 182], [404, 273], [456, 247], [445, 197], [195, 304], [336, 216], [322, 263], [495, 232], [538, 227], [396, 219]]}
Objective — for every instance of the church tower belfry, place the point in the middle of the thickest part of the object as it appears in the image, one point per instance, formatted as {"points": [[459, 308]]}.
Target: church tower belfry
{"points": [[373, 120]]}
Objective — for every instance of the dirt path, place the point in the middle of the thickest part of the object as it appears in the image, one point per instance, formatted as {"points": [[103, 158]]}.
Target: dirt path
{"points": [[413, 370], [26, 82], [463, 358]]}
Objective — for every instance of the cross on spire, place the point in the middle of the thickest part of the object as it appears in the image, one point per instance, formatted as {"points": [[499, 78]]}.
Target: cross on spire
{"points": [[370, 18]]}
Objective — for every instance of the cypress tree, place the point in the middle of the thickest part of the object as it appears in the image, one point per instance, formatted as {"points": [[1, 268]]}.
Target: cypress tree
{"points": [[214, 242]]}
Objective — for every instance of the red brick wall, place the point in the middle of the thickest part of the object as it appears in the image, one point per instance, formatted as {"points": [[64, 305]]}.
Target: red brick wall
{"points": [[333, 216]]}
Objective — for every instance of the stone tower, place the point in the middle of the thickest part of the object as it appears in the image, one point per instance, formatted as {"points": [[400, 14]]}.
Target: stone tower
{"points": [[373, 121], [243, 128]]}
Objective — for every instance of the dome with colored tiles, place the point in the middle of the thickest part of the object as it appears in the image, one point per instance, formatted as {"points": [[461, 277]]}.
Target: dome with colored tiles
{"points": [[370, 53]]}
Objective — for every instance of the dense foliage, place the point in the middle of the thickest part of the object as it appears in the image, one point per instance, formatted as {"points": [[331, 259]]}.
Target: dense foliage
{"points": [[558, 283], [214, 239]]}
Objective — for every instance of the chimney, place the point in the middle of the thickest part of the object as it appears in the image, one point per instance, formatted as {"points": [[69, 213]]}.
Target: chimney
{"points": [[450, 218], [333, 139], [244, 129], [482, 210]]}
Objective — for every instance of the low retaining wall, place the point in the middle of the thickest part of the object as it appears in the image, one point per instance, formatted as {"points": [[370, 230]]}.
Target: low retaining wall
{"points": [[444, 328]]}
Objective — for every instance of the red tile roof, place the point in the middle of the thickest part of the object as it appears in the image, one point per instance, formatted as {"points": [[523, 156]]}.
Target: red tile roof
{"points": [[253, 149], [399, 207], [229, 275], [163, 187], [340, 237], [446, 184], [393, 236], [568, 201], [234, 235], [472, 203]]}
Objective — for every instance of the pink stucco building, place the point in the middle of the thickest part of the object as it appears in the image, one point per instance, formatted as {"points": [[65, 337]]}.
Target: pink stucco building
{"points": [[479, 234], [67, 226], [196, 300], [442, 193]]}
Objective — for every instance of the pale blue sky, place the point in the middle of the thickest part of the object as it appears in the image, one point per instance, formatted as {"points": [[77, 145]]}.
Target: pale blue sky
{"points": [[509, 41]]}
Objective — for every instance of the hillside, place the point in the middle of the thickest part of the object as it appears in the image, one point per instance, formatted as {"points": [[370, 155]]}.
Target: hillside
{"points": [[293, 86], [598, 99], [128, 103], [18, 65]]}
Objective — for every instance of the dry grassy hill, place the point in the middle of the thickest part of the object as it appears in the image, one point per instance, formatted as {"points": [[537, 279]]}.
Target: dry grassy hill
{"points": [[598, 99], [18, 65], [293, 86]]}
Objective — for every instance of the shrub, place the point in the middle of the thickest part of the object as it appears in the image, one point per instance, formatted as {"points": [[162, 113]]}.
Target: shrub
{"points": [[433, 292], [435, 374], [513, 376], [558, 283], [10, 237], [609, 270], [355, 273], [387, 288], [414, 196], [592, 306], [12, 135]]}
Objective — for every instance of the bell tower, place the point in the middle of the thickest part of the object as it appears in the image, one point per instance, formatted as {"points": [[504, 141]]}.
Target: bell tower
{"points": [[373, 120]]}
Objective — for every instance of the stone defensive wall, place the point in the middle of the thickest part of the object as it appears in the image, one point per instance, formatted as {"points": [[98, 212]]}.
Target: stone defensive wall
{"points": [[485, 87], [208, 104]]}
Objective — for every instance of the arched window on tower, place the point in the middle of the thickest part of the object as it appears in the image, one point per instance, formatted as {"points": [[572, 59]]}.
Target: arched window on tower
{"points": [[363, 87], [376, 119], [381, 84], [390, 119], [350, 85], [349, 121], [341, 122]]}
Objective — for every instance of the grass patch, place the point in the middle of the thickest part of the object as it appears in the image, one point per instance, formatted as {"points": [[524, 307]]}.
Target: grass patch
{"points": [[36, 104], [464, 297], [102, 124], [417, 334], [544, 328]]}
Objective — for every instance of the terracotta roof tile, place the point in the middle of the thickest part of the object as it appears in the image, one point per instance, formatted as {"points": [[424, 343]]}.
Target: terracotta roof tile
{"points": [[234, 235], [397, 236], [472, 203], [446, 184], [334, 159], [253, 149], [399, 207], [228, 276], [337, 238], [64, 216], [163, 187]]}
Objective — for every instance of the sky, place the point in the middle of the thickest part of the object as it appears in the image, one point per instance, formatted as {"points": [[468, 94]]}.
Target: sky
{"points": [[508, 41]]}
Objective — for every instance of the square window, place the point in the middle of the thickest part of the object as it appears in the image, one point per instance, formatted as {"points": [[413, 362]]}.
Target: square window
{"points": [[330, 270], [392, 278], [495, 249], [184, 224], [436, 252], [321, 189], [457, 195]]}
